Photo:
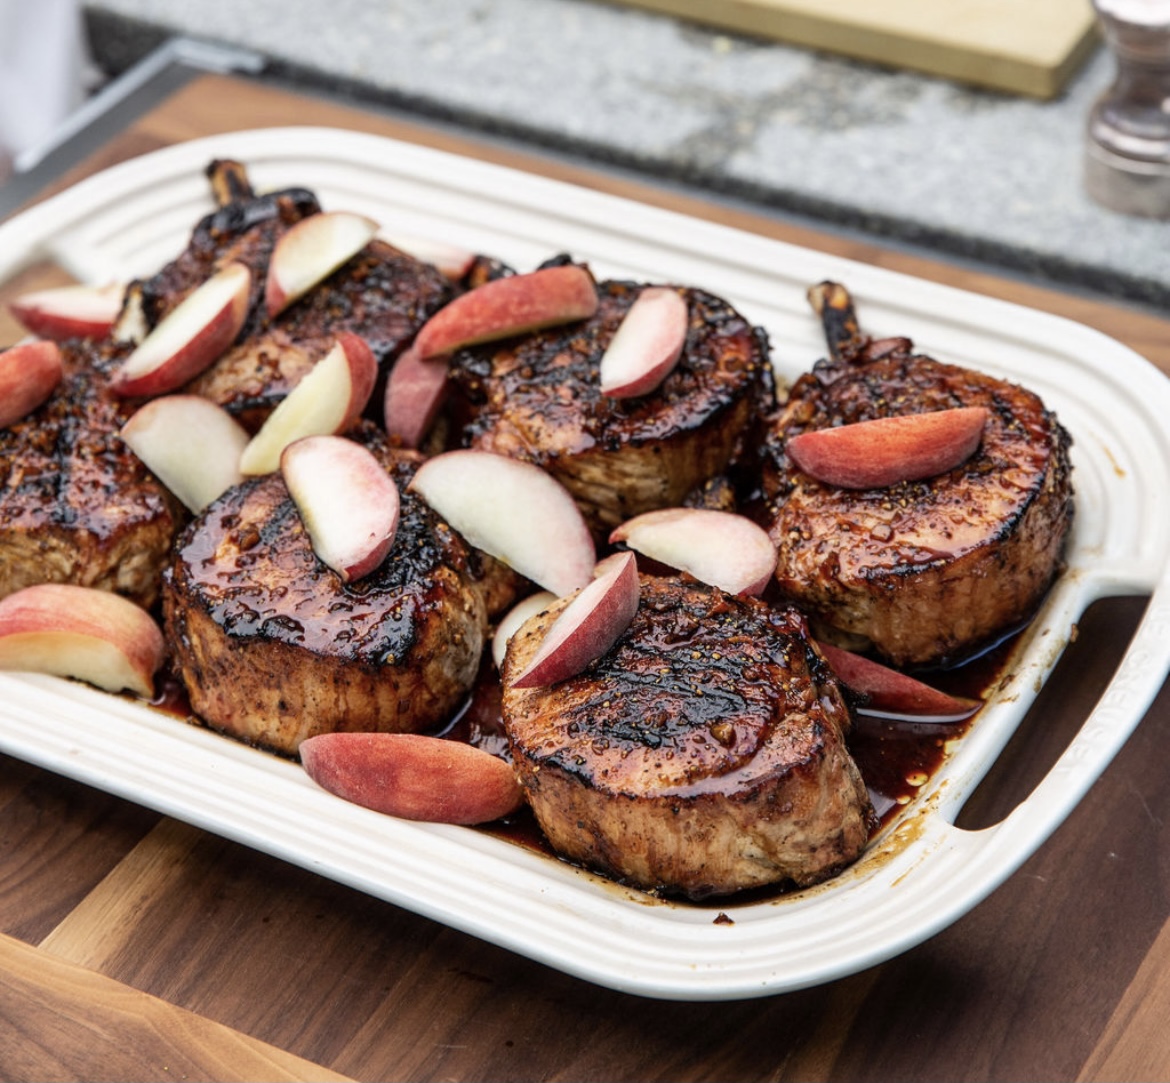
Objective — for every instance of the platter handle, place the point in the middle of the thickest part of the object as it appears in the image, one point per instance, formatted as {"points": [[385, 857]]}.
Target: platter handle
{"points": [[1138, 679]]}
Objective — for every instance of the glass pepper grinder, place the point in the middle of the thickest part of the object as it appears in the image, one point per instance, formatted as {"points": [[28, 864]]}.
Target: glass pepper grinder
{"points": [[1127, 156]]}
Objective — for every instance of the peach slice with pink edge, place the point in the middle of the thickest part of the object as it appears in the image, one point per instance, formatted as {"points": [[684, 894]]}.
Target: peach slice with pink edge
{"points": [[511, 621], [891, 694], [29, 373], [720, 548], [415, 393], [310, 252], [510, 306], [63, 312], [587, 627], [887, 450], [348, 502], [413, 776], [188, 339], [328, 400], [513, 511], [81, 632], [191, 444], [647, 344], [452, 260]]}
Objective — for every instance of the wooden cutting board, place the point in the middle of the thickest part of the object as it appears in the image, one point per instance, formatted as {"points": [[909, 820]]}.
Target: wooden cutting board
{"points": [[1027, 47]]}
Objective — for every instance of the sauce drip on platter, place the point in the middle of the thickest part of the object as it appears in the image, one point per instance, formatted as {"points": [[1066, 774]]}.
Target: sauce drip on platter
{"points": [[896, 758]]}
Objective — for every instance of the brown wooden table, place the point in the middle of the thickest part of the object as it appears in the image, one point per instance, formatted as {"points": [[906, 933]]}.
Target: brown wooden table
{"points": [[133, 946]]}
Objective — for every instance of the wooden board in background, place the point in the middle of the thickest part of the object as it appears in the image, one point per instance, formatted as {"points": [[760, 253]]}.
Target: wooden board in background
{"points": [[1027, 47]]}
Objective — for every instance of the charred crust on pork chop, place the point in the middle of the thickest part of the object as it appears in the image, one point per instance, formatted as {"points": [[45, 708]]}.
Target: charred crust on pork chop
{"points": [[381, 294], [923, 572], [76, 504], [273, 647], [703, 754], [229, 181], [537, 397], [244, 229]]}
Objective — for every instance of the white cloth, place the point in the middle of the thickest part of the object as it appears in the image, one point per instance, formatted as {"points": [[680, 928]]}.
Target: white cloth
{"points": [[42, 70]]}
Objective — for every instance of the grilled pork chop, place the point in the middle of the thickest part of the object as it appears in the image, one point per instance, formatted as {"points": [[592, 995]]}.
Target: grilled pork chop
{"points": [[274, 648], [925, 571], [703, 754], [76, 504], [381, 294], [243, 228], [537, 397]]}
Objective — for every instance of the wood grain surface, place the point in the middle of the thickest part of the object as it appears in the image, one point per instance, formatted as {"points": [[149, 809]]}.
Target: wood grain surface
{"points": [[1030, 48], [136, 947]]}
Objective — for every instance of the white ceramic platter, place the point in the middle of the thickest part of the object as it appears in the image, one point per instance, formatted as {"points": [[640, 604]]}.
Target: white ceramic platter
{"points": [[922, 873]]}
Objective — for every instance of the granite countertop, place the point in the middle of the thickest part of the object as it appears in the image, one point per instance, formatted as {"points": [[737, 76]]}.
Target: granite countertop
{"points": [[972, 173]]}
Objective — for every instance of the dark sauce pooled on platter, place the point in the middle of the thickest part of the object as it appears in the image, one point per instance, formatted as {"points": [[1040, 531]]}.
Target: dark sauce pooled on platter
{"points": [[896, 758], [171, 697]]}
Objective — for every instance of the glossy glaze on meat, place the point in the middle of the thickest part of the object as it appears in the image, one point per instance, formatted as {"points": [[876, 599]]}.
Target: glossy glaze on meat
{"points": [[76, 505], [704, 754], [273, 647], [381, 294], [537, 397], [927, 571], [244, 227]]}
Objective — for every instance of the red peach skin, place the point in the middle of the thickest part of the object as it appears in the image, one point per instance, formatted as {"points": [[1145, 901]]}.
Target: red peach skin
{"points": [[347, 501], [587, 627], [69, 311], [82, 632], [28, 375], [509, 306], [415, 392], [885, 451], [189, 338], [894, 693], [412, 776], [647, 344], [726, 550]]}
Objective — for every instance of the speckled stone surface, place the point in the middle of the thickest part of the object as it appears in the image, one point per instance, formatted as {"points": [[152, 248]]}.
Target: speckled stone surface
{"points": [[968, 172]]}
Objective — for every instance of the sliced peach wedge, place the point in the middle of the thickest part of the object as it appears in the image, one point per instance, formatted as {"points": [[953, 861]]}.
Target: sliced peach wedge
{"points": [[29, 373], [891, 694], [188, 339], [509, 624], [191, 444], [509, 306], [347, 501], [412, 776], [69, 311], [415, 393], [888, 450], [587, 627], [513, 511], [81, 632], [717, 547], [647, 344], [452, 260], [329, 399], [310, 252]]}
